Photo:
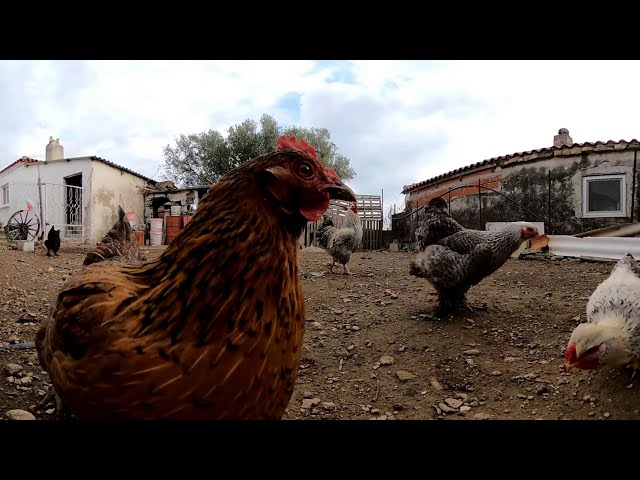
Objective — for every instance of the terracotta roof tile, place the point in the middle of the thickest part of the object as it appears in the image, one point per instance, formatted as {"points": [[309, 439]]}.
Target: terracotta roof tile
{"points": [[530, 155], [20, 160]]}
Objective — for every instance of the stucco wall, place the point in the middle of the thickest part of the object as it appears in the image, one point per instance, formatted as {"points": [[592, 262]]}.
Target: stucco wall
{"points": [[112, 188], [23, 185], [104, 188], [528, 184]]}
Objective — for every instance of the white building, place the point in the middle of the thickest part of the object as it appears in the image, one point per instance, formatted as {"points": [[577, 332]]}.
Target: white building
{"points": [[78, 195]]}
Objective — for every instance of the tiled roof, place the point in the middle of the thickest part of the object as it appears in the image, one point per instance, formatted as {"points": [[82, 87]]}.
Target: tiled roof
{"points": [[27, 160], [522, 157], [124, 169], [20, 160]]}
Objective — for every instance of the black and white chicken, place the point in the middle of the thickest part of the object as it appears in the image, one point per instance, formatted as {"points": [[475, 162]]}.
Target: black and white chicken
{"points": [[340, 243], [455, 258]]}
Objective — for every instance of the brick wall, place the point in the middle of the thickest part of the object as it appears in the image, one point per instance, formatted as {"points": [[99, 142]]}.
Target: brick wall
{"points": [[487, 178]]}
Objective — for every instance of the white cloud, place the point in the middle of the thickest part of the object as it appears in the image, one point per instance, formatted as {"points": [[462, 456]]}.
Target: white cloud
{"points": [[398, 121]]}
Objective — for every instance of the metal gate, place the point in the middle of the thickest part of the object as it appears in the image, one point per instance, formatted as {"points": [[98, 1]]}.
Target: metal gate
{"points": [[63, 209]]}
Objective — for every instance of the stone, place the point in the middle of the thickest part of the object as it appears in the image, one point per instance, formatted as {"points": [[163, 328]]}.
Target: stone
{"points": [[473, 352], [26, 381], [436, 385], [445, 408], [386, 360], [310, 402], [403, 375], [12, 369], [18, 414]]}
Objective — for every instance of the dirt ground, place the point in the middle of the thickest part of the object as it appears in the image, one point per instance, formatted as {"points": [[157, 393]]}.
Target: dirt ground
{"points": [[369, 354]]}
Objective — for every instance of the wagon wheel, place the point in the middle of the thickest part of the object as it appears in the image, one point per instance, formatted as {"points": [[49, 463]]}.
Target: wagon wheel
{"points": [[23, 225]]}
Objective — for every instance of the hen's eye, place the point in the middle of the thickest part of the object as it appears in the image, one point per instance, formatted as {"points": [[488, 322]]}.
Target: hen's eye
{"points": [[305, 170]]}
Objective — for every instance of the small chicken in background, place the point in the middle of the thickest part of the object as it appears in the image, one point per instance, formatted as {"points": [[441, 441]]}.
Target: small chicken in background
{"points": [[340, 243], [611, 334], [212, 329], [119, 244], [52, 243], [455, 258]]}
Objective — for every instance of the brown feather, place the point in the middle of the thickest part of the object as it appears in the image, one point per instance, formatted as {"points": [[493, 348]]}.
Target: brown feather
{"points": [[119, 244], [212, 329]]}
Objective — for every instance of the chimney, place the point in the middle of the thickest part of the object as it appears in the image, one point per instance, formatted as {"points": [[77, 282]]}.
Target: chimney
{"points": [[54, 150], [562, 139]]}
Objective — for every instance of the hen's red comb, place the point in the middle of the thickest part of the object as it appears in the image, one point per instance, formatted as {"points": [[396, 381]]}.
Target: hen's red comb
{"points": [[570, 352], [331, 172], [294, 145]]}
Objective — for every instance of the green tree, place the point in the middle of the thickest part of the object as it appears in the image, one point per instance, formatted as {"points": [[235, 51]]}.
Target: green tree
{"points": [[200, 159]]}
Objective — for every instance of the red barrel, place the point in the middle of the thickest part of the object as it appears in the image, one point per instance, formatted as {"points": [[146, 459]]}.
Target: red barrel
{"points": [[174, 225], [140, 237]]}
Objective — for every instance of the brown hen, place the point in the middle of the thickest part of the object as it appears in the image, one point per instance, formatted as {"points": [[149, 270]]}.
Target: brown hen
{"points": [[118, 244], [213, 329]]}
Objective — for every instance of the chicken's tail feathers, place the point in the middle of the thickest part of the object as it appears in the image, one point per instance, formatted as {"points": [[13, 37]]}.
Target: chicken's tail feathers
{"points": [[422, 265], [324, 232]]}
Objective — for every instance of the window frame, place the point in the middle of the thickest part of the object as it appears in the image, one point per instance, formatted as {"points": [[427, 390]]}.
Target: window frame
{"points": [[2, 194], [603, 214]]}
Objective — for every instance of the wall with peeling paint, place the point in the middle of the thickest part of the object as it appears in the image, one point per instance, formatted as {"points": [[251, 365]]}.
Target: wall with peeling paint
{"points": [[104, 188], [526, 181], [111, 188], [528, 184]]}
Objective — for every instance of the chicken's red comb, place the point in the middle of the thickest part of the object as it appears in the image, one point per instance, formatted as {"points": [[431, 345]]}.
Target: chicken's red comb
{"points": [[294, 145], [570, 352], [330, 171]]}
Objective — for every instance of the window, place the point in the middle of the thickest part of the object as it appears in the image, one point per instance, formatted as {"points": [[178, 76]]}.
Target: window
{"points": [[604, 196], [4, 190]]}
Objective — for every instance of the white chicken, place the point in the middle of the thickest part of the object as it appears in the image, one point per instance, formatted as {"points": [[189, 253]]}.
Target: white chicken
{"points": [[611, 334]]}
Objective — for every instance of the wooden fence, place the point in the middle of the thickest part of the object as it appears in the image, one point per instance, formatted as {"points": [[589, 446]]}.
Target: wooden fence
{"points": [[370, 212]]}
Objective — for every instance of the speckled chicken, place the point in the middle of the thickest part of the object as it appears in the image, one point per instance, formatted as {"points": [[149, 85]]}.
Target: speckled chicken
{"points": [[456, 258], [611, 334], [340, 243], [119, 244], [212, 329], [436, 223]]}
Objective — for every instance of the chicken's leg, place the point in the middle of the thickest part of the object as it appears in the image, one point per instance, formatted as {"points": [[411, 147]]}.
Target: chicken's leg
{"points": [[331, 266], [635, 365], [473, 308], [445, 305], [47, 398], [450, 300], [61, 410], [346, 269]]}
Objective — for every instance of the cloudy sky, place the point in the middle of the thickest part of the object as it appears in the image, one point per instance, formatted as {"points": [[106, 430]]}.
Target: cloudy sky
{"points": [[397, 121]]}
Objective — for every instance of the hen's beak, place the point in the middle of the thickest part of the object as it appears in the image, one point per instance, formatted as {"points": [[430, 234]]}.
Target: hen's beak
{"points": [[336, 189], [341, 192]]}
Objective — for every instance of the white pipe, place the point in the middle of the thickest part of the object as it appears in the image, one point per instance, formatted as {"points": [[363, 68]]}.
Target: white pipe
{"points": [[612, 248]]}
